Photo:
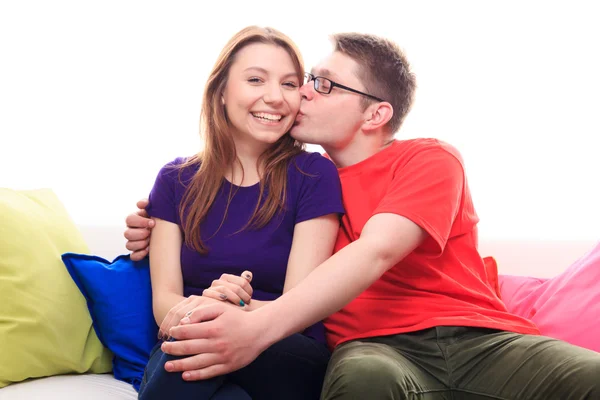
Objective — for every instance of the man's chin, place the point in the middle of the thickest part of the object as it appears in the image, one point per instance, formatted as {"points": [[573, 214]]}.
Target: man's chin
{"points": [[299, 134], [296, 133]]}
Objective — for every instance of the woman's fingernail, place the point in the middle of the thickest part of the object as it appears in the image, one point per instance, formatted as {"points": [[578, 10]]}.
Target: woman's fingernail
{"points": [[169, 366], [187, 375], [242, 304], [185, 320], [223, 296], [248, 276]]}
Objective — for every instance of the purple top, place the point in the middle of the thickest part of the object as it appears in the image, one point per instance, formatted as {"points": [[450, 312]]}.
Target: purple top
{"points": [[313, 190]]}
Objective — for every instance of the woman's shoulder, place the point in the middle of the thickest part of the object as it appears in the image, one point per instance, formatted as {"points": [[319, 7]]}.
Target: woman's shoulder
{"points": [[180, 169], [183, 164], [315, 186], [312, 163]]}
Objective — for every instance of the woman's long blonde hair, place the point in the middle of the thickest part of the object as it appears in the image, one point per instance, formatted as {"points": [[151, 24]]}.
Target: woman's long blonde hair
{"points": [[219, 152]]}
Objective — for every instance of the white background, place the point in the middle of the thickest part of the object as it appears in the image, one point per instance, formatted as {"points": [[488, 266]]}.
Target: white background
{"points": [[95, 96]]}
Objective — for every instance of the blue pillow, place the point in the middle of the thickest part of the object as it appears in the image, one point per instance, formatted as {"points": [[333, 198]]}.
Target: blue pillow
{"points": [[119, 297]]}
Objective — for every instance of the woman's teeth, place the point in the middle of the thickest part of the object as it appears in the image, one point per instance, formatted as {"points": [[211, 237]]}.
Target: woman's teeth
{"points": [[267, 116]]}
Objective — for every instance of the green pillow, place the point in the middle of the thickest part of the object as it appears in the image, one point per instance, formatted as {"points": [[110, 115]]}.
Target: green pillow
{"points": [[45, 325]]}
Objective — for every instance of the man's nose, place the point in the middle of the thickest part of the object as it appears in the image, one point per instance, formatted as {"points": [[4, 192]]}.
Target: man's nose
{"points": [[307, 91]]}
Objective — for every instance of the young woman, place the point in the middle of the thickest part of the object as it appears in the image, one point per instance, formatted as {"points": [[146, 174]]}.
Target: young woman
{"points": [[252, 199]]}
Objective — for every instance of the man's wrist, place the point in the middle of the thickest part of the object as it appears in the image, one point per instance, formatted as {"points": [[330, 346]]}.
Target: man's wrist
{"points": [[270, 333]]}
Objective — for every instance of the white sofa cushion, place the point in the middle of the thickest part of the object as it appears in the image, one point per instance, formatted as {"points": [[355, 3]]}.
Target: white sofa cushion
{"points": [[70, 387]]}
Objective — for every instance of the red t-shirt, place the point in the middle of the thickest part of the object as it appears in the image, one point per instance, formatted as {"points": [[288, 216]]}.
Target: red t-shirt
{"points": [[441, 283]]}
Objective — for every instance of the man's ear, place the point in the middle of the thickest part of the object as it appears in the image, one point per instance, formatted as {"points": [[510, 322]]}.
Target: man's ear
{"points": [[377, 115]]}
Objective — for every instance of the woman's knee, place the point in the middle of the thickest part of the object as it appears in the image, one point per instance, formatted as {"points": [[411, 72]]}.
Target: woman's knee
{"points": [[158, 383]]}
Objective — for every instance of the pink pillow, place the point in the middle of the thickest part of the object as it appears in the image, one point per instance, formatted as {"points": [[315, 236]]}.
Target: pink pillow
{"points": [[566, 307], [516, 293]]}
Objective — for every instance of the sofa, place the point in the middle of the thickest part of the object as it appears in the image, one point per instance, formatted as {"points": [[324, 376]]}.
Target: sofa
{"points": [[516, 260]]}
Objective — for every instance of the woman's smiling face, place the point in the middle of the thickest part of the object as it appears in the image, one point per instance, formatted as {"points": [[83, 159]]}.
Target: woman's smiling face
{"points": [[262, 95]]}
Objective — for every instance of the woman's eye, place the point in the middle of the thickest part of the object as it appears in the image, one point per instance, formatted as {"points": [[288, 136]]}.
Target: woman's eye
{"points": [[254, 80], [291, 84]]}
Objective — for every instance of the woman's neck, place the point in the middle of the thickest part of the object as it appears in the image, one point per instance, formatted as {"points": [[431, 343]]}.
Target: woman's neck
{"points": [[245, 171]]}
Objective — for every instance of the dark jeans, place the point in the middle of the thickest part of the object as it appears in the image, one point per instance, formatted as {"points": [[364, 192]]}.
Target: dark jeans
{"points": [[290, 369], [462, 363]]}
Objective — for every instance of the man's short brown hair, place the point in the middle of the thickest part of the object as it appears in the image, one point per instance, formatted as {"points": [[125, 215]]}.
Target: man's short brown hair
{"points": [[384, 71]]}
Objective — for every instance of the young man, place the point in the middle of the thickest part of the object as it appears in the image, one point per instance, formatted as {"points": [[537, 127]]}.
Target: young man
{"points": [[410, 311]]}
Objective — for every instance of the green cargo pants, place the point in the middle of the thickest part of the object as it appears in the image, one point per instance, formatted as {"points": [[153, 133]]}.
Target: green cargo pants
{"points": [[462, 363]]}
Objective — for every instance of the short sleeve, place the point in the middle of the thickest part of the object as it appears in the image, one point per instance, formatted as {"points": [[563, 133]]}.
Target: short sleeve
{"points": [[428, 190], [321, 192], [163, 199]]}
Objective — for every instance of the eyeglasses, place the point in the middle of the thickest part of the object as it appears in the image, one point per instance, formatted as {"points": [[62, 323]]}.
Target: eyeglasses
{"points": [[324, 86]]}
